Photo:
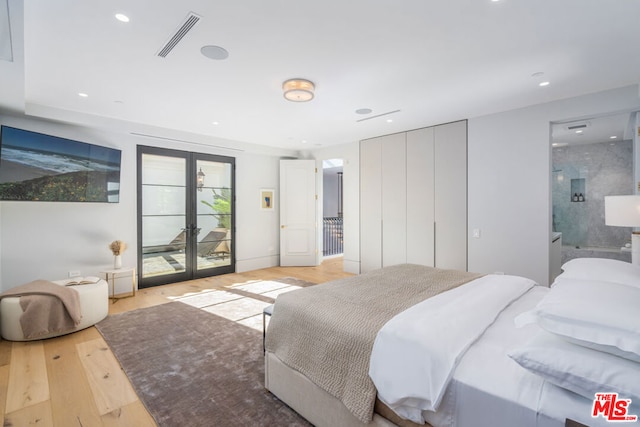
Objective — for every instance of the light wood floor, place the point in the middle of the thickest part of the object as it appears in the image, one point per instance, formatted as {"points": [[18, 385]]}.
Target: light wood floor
{"points": [[75, 380]]}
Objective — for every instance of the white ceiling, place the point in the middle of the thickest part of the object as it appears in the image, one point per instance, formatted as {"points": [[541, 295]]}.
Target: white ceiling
{"points": [[435, 61]]}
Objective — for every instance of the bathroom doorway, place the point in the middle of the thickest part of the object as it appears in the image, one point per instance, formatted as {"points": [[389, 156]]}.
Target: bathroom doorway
{"points": [[591, 159]]}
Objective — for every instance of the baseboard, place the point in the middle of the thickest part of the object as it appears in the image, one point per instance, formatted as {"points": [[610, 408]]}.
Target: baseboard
{"points": [[257, 263], [350, 266]]}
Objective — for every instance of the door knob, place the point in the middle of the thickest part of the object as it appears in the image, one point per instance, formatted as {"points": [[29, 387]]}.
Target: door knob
{"points": [[282, 226]]}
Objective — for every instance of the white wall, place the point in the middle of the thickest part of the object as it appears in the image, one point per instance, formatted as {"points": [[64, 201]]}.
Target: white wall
{"points": [[350, 153], [48, 239], [257, 230], [509, 181]]}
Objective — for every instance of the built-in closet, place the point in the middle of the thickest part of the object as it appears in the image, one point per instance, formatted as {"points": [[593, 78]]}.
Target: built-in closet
{"points": [[413, 198]]}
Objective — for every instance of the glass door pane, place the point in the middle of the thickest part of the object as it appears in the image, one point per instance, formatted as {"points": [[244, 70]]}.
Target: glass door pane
{"points": [[163, 215], [214, 214], [185, 215]]}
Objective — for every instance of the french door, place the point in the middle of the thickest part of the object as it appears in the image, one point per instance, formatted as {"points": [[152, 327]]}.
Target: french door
{"points": [[186, 215]]}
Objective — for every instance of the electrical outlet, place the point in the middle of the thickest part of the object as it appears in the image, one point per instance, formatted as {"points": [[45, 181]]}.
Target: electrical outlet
{"points": [[74, 273]]}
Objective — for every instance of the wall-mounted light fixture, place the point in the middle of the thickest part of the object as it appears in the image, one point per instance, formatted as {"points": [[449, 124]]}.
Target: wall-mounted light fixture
{"points": [[298, 90], [200, 179]]}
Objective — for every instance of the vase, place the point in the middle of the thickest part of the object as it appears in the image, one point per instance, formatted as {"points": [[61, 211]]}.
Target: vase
{"points": [[117, 262]]}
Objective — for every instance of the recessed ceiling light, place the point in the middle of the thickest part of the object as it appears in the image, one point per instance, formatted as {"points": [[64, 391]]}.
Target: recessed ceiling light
{"points": [[579, 132], [304, 141], [542, 84], [82, 94], [122, 17], [389, 120], [214, 52], [215, 123], [364, 111], [613, 137]]}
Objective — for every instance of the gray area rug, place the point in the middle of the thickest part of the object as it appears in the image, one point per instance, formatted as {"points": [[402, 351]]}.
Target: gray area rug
{"points": [[193, 368]]}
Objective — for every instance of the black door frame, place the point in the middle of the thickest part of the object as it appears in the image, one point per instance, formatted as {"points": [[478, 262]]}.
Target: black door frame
{"points": [[191, 271]]}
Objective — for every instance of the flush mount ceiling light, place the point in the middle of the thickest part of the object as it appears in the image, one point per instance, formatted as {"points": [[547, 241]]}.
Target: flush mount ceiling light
{"points": [[298, 90]]}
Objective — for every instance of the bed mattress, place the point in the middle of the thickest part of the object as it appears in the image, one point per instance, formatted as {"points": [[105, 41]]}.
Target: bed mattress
{"points": [[487, 387]]}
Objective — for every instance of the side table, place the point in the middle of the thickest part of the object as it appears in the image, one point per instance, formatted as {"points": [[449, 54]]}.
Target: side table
{"points": [[111, 275]]}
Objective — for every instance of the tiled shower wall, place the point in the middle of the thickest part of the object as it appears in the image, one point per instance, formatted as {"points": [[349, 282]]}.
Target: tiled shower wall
{"points": [[607, 169]]}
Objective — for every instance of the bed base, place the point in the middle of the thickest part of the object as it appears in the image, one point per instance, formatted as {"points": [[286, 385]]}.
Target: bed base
{"points": [[309, 400]]}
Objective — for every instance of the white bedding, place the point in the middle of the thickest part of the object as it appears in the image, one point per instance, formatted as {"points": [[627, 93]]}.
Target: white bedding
{"points": [[488, 388], [485, 387], [411, 364]]}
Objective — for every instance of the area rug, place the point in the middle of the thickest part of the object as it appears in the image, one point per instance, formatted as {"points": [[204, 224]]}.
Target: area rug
{"points": [[193, 368]]}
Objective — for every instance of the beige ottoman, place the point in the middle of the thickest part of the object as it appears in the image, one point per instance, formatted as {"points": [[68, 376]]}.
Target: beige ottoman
{"points": [[94, 305]]}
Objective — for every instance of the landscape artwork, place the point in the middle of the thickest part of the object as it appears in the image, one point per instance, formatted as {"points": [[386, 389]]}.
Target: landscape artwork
{"points": [[39, 167]]}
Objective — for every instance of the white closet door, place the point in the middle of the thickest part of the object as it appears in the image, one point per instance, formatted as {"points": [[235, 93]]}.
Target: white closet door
{"points": [[394, 200], [420, 196], [451, 195], [370, 204]]}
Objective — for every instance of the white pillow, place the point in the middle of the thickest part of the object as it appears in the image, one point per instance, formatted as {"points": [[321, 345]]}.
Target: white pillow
{"points": [[606, 270], [579, 369], [604, 316]]}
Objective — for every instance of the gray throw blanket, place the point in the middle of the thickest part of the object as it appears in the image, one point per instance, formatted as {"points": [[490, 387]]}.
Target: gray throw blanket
{"points": [[47, 308], [326, 332]]}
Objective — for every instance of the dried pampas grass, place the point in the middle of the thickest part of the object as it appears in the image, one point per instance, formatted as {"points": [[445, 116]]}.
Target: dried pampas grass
{"points": [[117, 247]]}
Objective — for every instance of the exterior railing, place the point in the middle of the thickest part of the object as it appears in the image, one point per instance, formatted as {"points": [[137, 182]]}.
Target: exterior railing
{"points": [[333, 235]]}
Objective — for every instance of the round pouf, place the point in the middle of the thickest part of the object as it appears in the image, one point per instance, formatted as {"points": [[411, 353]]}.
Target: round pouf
{"points": [[94, 305]]}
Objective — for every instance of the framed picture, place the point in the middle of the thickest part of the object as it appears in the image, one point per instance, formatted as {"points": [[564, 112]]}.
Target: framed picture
{"points": [[46, 168], [267, 199]]}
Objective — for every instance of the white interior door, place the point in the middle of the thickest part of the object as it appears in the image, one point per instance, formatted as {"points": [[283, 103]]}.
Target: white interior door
{"points": [[298, 237], [370, 204], [420, 196], [394, 199], [451, 195]]}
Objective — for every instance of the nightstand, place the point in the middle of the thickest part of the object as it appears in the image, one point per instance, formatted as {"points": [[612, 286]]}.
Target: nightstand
{"points": [[111, 276]]}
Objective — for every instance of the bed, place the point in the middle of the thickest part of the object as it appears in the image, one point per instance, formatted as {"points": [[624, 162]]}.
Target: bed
{"points": [[506, 364]]}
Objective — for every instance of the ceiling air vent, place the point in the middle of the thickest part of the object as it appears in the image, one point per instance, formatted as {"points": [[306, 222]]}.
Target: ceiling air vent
{"points": [[189, 22], [576, 126]]}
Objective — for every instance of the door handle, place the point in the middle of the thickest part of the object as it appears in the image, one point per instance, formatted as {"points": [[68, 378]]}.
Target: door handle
{"points": [[282, 226], [192, 230]]}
